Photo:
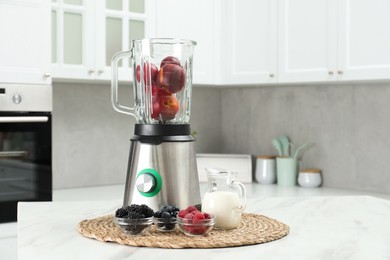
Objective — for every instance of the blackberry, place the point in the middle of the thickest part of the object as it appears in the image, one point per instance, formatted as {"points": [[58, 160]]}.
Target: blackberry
{"points": [[132, 208], [120, 213], [135, 215], [135, 211], [147, 211]]}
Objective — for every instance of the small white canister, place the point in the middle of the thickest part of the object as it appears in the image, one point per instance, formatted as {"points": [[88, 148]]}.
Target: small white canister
{"points": [[309, 178], [265, 169]]}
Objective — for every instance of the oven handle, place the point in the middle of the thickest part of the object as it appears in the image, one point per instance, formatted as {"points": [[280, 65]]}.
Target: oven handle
{"points": [[13, 154], [23, 119]]}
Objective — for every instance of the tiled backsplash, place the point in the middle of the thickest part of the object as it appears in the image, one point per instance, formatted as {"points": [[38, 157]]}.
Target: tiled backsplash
{"points": [[350, 125]]}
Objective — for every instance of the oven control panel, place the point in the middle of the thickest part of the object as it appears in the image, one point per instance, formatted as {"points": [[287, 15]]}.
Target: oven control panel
{"points": [[26, 98]]}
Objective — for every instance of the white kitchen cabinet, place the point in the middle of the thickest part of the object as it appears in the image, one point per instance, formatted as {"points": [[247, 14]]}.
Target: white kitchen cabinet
{"points": [[197, 20], [250, 44], [25, 41], [86, 34], [237, 41], [331, 40], [364, 45], [307, 40]]}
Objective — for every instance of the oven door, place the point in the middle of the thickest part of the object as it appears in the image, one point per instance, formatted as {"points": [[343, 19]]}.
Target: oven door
{"points": [[25, 160]]}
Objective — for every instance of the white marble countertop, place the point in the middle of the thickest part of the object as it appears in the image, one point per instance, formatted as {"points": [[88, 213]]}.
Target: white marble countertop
{"points": [[324, 224]]}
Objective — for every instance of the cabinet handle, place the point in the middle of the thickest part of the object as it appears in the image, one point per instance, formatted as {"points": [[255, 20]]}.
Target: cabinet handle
{"points": [[100, 71], [91, 71], [340, 72], [330, 72], [47, 75], [271, 75]]}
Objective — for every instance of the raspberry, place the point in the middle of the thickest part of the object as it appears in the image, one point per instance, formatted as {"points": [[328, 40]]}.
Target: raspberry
{"points": [[188, 228], [182, 213], [191, 208], [206, 215], [198, 217], [198, 230], [188, 218]]}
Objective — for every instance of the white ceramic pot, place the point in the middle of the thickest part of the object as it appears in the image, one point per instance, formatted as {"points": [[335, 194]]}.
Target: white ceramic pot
{"points": [[310, 178], [265, 169]]}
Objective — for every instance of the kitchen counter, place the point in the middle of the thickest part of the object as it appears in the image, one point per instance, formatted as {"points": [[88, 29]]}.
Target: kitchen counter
{"points": [[324, 224]]}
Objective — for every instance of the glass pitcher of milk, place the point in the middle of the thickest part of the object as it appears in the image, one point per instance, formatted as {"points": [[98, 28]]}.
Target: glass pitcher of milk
{"points": [[225, 198]]}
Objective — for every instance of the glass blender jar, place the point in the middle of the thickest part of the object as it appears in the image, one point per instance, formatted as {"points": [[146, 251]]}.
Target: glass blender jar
{"points": [[162, 162], [162, 73]]}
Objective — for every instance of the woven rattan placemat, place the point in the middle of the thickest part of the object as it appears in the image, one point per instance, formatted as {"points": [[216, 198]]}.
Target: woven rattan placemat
{"points": [[253, 229]]}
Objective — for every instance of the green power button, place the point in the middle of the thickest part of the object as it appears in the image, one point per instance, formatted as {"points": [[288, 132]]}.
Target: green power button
{"points": [[148, 182]]}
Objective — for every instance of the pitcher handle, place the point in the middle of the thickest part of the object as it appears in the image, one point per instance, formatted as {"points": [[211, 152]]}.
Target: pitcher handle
{"points": [[114, 83], [243, 195]]}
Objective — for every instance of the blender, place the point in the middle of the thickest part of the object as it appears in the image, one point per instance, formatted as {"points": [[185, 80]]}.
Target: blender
{"points": [[162, 166]]}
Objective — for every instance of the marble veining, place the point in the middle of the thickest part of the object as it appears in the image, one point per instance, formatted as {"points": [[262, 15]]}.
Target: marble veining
{"points": [[329, 227]]}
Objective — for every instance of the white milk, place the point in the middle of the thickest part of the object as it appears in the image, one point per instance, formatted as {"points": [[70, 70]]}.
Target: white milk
{"points": [[225, 205]]}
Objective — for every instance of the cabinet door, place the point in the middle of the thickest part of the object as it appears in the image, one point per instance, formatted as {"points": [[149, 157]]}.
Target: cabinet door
{"points": [[25, 41], [307, 40], [88, 33], [195, 20], [73, 39], [118, 22], [250, 45], [364, 40]]}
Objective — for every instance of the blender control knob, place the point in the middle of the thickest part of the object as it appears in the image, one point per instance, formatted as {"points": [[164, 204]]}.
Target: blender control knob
{"points": [[146, 183]]}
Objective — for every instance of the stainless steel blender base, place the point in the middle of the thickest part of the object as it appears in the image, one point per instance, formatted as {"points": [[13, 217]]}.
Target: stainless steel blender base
{"points": [[162, 174]]}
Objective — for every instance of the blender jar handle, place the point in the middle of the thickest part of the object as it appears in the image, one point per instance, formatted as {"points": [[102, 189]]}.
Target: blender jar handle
{"points": [[114, 83]]}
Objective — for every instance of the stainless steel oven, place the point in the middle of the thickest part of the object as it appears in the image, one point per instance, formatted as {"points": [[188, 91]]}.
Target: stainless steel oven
{"points": [[25, 146]]}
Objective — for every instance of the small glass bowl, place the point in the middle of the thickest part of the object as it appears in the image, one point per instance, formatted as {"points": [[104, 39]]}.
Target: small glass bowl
{"points": [[199, 228], [134, 226], [165, 224]]}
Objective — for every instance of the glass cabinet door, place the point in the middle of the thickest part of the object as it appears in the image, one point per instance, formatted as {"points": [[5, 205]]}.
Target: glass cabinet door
{"points": [[120, 22], [72, 38], [86, 34]]}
